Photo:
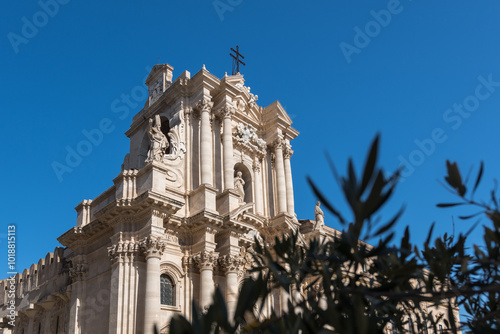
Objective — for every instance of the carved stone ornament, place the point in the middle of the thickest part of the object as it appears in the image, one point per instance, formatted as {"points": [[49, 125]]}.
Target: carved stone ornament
{"points": [[177, 143], [152, 247], [246, 257], [78, 271], [156, 90], [123, 250], [246, 136], [206, 260]]}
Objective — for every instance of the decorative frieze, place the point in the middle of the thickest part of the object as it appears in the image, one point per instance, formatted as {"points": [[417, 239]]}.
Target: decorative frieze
{"points": [[123, 251]]}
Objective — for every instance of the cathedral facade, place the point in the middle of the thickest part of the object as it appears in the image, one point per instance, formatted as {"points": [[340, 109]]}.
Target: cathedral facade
{"points": [[207, 171]]}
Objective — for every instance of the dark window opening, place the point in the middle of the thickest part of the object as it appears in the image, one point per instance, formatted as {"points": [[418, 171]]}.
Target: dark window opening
{"points": [[166, 290]]}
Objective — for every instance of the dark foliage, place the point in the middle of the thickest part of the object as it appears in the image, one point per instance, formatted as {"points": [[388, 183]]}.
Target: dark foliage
{"points": [[347, 286]]}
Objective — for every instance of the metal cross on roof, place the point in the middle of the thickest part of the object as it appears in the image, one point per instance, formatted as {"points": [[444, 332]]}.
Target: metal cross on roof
{"points": [[236, 60]]}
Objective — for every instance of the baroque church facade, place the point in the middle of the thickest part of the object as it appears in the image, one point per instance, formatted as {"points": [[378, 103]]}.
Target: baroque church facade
{"points": [[207, 171]]}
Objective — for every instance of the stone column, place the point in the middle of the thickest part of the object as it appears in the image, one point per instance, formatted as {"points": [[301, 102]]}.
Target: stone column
{"points": [[280, 175], [258, 185], [206, 142], [206, 261], [77, 274], [227, 142], [153, 249], [231, 264], [288, 177]]}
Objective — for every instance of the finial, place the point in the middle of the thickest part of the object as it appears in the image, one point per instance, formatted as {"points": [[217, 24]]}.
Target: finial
{"points": [[203, 67]]}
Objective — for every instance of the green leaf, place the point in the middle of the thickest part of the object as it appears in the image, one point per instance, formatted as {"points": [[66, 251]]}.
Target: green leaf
{"points": [[479, 176], [447, 205], [371, 161]]}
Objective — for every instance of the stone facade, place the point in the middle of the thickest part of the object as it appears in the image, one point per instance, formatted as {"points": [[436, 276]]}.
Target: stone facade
{"points": [[208, 169]]}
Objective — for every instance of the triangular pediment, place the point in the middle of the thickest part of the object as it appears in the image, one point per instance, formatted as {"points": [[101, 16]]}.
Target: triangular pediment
{"points": [[276, 110]]}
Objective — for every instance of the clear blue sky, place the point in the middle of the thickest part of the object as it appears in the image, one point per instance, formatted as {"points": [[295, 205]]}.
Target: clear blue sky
{"points": [[340, 89]]}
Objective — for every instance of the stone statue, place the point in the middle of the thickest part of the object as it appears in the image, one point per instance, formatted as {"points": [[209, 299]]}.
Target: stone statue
{"points": [[158, 141], [319, 216], [238, 185]]}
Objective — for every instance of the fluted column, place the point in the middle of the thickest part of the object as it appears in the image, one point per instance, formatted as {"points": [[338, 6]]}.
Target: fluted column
{"points": [[205, 108], [258, 186], [280, 175], [206, 262], [153, 249], [231, 264], [288, 178], [227, 142]]}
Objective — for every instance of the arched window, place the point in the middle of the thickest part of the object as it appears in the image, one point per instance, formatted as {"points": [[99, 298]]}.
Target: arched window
{"points": [[167, 290]]}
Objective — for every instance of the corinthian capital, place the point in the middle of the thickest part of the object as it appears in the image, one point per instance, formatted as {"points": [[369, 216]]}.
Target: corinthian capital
{"points": [[278, 144], [152, 247], [226, 112], [204, 105], [206, 260], [287, 151], [231, 263]]}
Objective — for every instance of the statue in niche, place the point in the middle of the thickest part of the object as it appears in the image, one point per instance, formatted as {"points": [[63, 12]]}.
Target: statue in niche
{"points": [[319, 216], [239, 185], [158, 141]]}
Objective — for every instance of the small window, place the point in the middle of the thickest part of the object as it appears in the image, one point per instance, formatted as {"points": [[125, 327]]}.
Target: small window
{"points": [[166, 290], [440, 329]]}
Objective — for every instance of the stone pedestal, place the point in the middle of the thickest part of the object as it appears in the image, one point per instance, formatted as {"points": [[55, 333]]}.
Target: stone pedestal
{"points": [[203, 198], [228, 201]]}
